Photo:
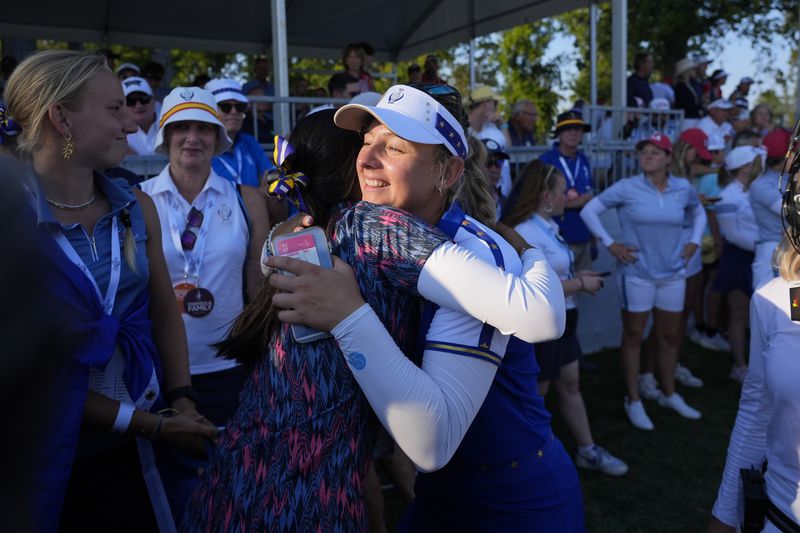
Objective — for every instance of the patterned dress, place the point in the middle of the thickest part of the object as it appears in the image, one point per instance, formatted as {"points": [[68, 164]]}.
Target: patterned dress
{"points": [[295, 455]]}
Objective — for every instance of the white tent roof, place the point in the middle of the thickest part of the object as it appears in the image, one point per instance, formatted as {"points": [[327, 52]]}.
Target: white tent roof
{"points": [[398, 29]]}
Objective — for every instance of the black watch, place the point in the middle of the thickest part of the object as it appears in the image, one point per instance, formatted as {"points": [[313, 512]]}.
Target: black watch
{"points": [[187, 391]]}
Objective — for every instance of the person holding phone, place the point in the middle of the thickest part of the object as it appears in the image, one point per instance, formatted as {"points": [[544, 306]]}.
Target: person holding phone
{"points": [[538, 196], [652, 258]]}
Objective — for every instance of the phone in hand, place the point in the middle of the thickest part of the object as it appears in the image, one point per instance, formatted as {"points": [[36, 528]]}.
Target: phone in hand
{"points": [[713, 199], [310, 245], [604, 274]]}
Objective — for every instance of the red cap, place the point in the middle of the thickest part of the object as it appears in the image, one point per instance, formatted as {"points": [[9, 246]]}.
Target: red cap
{"points": [[657, 139], [777, 142], [697, 139]]}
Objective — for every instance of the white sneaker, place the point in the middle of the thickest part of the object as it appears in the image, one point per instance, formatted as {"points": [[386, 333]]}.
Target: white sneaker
{"points": [[637, 416], [717, 343], [696, 336], [738, 373], [685, 377], [648, 387], [603, 461], [676, 403]]}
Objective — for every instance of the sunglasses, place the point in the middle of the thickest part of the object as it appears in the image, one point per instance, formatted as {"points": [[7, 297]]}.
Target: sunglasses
{"points": [[494, 162], [442, 92], [193, 222], [227, 107], [133, 99]]}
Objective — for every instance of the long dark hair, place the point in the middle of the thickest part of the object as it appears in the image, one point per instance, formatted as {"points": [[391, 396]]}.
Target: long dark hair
{"points": [[326, 154]]}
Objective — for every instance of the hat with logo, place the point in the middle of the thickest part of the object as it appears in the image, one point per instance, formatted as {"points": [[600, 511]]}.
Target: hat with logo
{"points": [[777, 142], [190, 103], [697, 139], [740, 156], [659, 104], [494, 149], [128, 66], [226, 89], [721, 103], [411, 114], [657, 139], [135, 84], [571, 119]]}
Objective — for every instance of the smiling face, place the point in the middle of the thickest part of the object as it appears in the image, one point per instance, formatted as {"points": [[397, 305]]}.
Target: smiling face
{"points": [[399, 173], [101, 123], [191, 145]]}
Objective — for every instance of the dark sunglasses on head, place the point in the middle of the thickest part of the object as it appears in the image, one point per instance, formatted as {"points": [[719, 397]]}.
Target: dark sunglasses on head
{"points": [[226, 107], [193, 222], [143, 99], [443, 91]]}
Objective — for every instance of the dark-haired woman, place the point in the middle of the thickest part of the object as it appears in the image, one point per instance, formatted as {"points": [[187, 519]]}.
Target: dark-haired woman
{"points": [[111, 280], [469, 416], [540, 195], [296, 453]]}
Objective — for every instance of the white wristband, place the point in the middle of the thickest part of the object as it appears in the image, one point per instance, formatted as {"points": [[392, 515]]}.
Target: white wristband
{"points": [[124, 416]]}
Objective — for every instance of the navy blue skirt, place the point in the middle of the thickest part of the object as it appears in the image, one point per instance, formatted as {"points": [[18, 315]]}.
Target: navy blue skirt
{"points": [[735, 270]]}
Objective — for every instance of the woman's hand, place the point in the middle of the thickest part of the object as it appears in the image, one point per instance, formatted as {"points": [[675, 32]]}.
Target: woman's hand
{"points": [[512, 237], [316, 297], [186, 432], [624, 254], [688, 251], [591, 281]]}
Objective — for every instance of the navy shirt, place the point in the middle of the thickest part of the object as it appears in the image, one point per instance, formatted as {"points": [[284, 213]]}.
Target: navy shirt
{"points": [[244, 163], [578, 177], [525, 139], [638, 86]]}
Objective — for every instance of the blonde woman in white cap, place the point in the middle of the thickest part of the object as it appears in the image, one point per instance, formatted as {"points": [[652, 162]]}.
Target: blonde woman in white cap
{"points": [[139, 99], [110, 288], [212, 232], [470, 416], [740, 233], [245, 162]]}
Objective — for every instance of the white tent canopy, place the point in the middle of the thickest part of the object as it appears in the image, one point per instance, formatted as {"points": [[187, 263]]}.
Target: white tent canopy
{"points": [[398, 29]]}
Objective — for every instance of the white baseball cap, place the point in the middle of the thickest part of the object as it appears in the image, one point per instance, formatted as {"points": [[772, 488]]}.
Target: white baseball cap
{"points": [[721, 103], [226, 89], [716, 142], [366, 98], [135, 84], [741, 155], [190, 103], [659, 104], [128, 66], [411, 114]]}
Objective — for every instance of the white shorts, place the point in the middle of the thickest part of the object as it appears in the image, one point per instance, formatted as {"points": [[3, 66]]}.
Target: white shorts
{"points": [[763, 271], [639, 295]]}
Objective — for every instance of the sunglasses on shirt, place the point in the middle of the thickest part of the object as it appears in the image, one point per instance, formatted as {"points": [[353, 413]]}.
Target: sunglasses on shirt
{"points": [[133, 99], [227, 107], [193, 222]]}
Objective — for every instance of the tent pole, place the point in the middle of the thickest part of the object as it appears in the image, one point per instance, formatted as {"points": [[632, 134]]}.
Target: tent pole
{"points": [[619, 52], [280, 62], [593, 13], [471, 45]]}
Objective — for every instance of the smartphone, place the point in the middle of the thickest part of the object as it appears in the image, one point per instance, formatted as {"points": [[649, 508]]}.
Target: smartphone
{"points": [[713, 199], [605, 274], [309, 245]]}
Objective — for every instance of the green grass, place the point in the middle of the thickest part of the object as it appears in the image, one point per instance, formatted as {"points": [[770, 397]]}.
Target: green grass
{"points": [[674, 470]]}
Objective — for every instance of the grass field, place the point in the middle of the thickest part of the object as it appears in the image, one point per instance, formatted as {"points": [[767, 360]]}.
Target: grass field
{"points": [[674, 470]]}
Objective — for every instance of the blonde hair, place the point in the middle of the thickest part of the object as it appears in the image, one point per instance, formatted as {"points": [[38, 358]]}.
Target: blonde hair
{"points": [[474, 193], [678, 166], [787, 261], [43, 79], [47, 78]]}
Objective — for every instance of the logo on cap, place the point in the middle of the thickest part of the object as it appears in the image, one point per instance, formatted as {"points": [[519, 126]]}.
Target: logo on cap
{"points": [[128, 83], [395, 96], [187, 94]]}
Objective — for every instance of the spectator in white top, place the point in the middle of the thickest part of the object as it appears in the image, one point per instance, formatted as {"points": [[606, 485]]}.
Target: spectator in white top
{"points": [[716, 123], [212, 235], [540, 194], [483, 119], [766, 202], [740, 233], [768, 422], [139, 99], [652, 257]]}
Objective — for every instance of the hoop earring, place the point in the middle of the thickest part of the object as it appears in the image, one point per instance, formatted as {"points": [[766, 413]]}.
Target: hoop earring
{"points": [[548, 208], [68, 148]]}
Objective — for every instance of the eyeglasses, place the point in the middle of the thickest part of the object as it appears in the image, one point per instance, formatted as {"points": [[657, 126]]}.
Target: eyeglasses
{"points": [[133, 99], [227, 107], [494, 162], [193, 222]]}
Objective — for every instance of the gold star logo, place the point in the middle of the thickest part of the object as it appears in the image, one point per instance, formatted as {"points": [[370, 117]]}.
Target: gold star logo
{"points": [[540, 453], [452, 134], [484, 345], [441, 124], [514, 464], [493, 246]]}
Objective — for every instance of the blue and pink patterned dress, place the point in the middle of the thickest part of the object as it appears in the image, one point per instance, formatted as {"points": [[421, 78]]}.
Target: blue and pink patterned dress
{"points": [[295, 455]]}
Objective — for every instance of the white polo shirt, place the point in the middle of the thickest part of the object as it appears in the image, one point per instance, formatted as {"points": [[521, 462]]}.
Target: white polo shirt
{"points": [[219, 266], [735, 216], [544, 234], [144, 143]]}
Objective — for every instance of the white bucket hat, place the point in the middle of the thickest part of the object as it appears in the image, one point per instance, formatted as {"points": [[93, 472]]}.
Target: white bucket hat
{"points": [[135, 84], [411, 114], [226, 89], [742, 155], [190, 103]]}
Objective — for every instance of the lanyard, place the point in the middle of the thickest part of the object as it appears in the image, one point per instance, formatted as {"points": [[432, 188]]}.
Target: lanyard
{"points": [[568, 173], [194, 258], [559, 240], [116, 266], [237, 176]]}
